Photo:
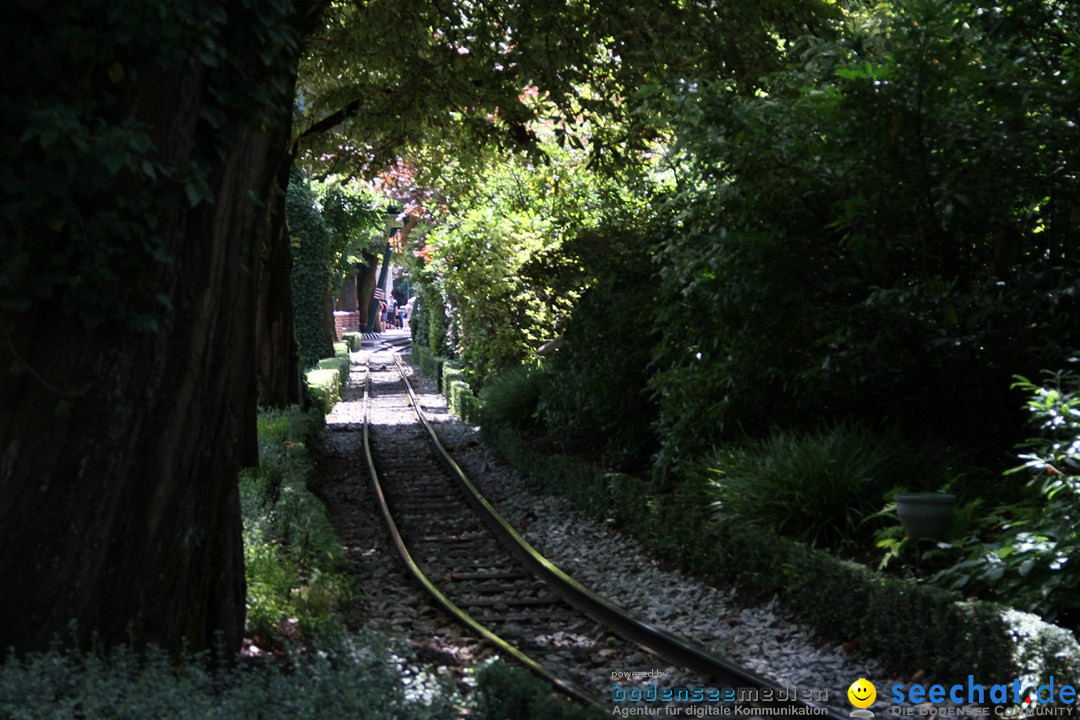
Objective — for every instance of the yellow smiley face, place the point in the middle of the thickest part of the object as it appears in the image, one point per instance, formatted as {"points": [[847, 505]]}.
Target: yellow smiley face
{"points": [[862, 693]]}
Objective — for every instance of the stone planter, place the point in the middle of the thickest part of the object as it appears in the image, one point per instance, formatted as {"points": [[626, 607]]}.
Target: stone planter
{"points": [[925, 515]]}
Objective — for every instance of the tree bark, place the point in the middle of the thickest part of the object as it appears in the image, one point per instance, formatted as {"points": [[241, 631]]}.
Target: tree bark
{"points": [[119, 449], [366, 279], [347, 298], [328, 322], [277, 361]]}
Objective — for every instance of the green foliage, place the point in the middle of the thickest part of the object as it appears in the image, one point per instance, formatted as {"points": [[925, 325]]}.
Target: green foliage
{"points": [[497, 253], [820, 488], [432, 319], [863, 192], [596, 401], [313, 254], [513, 397], [460, 398], [349, 677], [89, 175], [508, 693], [352, 216], [1031, 562], [459, 88], [332, 226], [906, 624], [294, 566], [326, 382]]}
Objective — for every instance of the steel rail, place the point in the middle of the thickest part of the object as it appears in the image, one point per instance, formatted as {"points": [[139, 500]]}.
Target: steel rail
{"points": [[459, 615], [659, 642]]}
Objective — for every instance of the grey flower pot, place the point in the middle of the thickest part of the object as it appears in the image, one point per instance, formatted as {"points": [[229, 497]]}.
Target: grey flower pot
{"points": [[925, 514]]}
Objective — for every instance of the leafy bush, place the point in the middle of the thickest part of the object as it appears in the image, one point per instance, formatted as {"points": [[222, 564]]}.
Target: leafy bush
{"points": [[501, 247], [597, 401], [513, 397], [294, 565], [1032, 564], [817, 487], [842, 245], [349, 677], [430, 324]]}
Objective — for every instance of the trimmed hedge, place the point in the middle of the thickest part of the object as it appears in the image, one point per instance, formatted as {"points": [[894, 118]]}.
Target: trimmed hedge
{"points": [[907, 625], [327, 381], [427, 362], [353, 339], [459, 396]]}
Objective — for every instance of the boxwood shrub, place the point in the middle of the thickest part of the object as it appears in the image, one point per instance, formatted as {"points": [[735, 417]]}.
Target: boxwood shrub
{"points": [[353, 339], [327, 381], [460, 398]]}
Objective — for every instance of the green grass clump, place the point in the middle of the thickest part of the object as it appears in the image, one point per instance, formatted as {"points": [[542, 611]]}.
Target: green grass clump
{"points": [[514, 396], [817, 487]]}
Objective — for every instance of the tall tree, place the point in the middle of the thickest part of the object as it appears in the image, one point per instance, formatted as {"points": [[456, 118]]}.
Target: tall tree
{"points": [[140, 144]]}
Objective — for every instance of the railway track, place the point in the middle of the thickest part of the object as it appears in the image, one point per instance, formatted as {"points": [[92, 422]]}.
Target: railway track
{"points": [[479, 570]]}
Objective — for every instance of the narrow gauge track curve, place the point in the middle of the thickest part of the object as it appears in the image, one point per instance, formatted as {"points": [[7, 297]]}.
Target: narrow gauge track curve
{"points": [[489, 579]]}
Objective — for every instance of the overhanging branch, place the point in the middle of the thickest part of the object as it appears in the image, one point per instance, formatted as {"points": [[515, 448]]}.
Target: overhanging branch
{"points": [[331, 120]]}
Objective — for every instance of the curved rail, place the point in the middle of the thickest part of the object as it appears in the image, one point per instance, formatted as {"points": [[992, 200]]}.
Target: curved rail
{"points": [[653, 639], [440, 598]]}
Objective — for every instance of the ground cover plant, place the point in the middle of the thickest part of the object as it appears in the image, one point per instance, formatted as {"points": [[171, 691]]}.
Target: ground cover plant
{"points": [[295, 569], [348, 677], [822, 487]]}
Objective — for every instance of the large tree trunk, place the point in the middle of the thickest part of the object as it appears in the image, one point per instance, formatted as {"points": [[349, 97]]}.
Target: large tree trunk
{"points": [[119, 449], [328, 322], [346, 301], [366, 279], [277, 360]]}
